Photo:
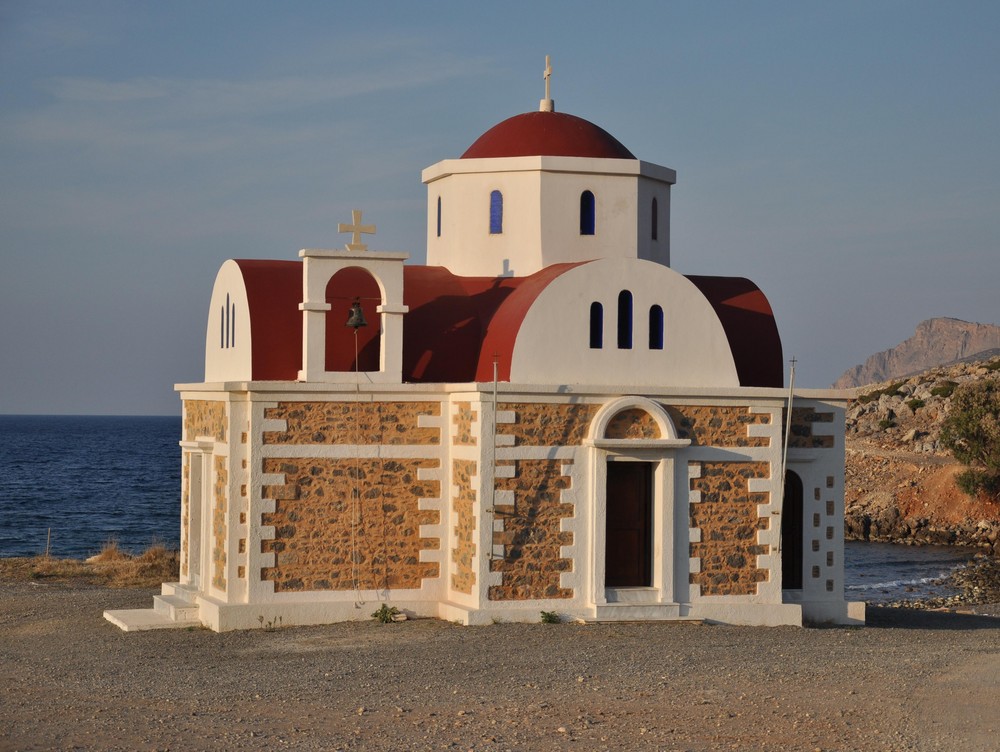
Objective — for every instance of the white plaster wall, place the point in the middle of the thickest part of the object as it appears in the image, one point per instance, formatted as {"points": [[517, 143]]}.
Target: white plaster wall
{"points": [[614, 209], [542, 212], [653, 250], [228, 363], [466, 246], [552, 346]]}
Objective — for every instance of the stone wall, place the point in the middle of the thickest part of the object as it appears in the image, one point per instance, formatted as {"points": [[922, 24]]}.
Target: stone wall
{"points": [[204, 418], [463, 554], [530, 534], [547, 424], [632, 424], [464, 418], [219, 524], [729, 523], [716, 425], [342, 524], [385, 423], [802, 436]]}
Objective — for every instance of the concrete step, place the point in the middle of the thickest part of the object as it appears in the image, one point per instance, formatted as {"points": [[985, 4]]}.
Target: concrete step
{"points": [[141, 619], [176, 607], [613, 612]]}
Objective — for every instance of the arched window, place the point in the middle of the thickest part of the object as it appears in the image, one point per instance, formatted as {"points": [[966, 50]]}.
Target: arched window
{"points": [[596, 326], [586, 213], [654, 221], [439, 217], [624, 320], [655, 328], [496, 213]]}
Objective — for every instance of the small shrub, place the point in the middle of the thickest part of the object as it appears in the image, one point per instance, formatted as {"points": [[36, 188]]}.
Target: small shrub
{"points": [[944, 389], [893, 389], [972, 433], [915, 404], [385, 614], [973, 481], [550, 617], [109, 553], [886, 423], [270, 626], [993, 365]]}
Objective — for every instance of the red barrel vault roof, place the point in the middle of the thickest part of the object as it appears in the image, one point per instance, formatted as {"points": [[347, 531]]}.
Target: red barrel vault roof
{"points": [[547, 134], [750, 328], [458, 325]]}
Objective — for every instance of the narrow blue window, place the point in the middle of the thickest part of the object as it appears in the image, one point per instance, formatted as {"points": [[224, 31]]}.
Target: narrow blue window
{"points": [[222, 328], [586, 213], [232, 326], [655, 221], [655, 327], [624, 320], [596, 326], [496, 213], [439, 217], [227, 321]]}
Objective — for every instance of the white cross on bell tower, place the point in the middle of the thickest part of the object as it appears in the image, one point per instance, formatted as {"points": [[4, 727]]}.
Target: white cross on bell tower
{"points": [[356, 228]]}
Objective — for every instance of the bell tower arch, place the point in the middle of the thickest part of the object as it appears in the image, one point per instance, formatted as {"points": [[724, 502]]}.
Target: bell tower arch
{"points": [[319, 267]]}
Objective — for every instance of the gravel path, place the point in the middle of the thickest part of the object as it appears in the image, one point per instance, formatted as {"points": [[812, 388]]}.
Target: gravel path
{"points": [[910, 681]]}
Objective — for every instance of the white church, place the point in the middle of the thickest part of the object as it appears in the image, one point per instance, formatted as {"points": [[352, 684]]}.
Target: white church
{"points": [[544, 417]]}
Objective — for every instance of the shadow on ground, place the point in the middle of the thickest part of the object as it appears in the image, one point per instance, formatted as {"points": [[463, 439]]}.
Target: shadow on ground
{"points": [[911, 618]]}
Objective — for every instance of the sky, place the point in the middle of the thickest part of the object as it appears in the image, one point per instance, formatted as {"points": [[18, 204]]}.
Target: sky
{"points": [[844, 156]]}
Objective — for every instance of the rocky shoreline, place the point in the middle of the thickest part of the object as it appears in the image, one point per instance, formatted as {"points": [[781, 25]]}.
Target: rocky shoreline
{"points": [[899, 481], [978, 584]]}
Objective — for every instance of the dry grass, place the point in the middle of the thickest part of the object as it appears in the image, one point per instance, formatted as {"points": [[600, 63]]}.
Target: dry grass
{"points": [[112, 567]]}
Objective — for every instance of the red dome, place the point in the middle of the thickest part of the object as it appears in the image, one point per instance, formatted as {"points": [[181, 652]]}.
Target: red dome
{"points": [[550, 134]]}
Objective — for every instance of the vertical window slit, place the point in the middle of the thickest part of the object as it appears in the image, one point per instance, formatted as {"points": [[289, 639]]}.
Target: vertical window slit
{"points": [[587, 221], [596, 326], [496, 213], [655, 328], [625, 320]]}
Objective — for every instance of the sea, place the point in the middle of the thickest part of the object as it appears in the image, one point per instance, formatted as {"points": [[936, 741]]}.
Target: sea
{"points": [[71, 484]]}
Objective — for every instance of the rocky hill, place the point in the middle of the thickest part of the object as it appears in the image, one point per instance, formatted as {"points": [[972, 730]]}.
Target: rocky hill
{"points": [[936, 342], [899, 481]]}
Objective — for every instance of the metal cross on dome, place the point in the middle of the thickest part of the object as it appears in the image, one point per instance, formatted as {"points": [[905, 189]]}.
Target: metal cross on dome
{"points": [[356, 228], [547, 105]]}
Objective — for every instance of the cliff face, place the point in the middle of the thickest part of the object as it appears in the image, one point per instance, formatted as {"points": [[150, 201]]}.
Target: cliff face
{"points": [[900, 483], [936, 342]]}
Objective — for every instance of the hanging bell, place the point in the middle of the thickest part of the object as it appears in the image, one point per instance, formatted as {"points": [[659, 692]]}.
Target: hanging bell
{"points": [[356, 318]]}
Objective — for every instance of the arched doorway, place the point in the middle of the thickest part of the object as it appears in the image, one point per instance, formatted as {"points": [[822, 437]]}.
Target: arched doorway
{"points": [[791, 533]]}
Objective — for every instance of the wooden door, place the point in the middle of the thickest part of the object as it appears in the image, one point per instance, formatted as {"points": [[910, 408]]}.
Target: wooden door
{"points": [[629, 536]]}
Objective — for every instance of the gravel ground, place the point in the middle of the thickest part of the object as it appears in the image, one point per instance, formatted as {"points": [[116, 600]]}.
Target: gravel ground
{"points": [[912, 680]]}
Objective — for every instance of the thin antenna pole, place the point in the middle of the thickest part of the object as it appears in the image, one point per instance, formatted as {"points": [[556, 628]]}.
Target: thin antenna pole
{"points": [[788, 423], [784, 450]]}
